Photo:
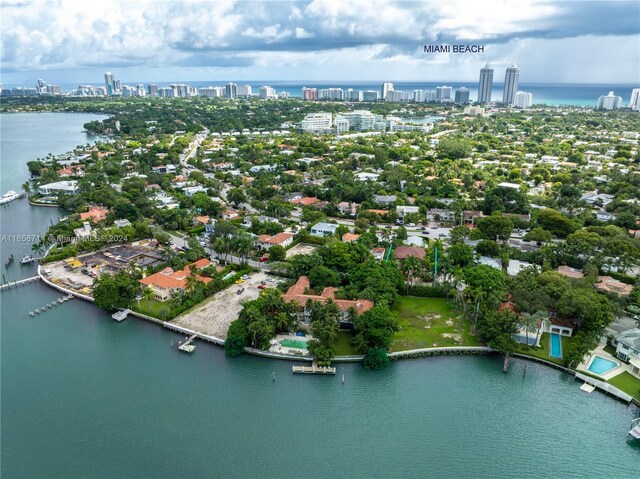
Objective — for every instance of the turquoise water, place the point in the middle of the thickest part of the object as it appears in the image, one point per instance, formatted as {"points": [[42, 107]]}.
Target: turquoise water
{"points": [[83, 396], [294, 343], [600, 365], [555, 346]]}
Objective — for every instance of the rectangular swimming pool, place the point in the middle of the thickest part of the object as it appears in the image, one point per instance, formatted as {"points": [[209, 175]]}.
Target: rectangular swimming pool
{"points": [[555, 346], [600, 365], [293, 343]]}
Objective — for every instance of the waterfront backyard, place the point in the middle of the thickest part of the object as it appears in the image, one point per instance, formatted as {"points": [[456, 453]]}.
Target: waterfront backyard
{"points": [[430, 323]]}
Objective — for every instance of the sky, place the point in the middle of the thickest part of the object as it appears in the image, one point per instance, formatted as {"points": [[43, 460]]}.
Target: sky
{"points": [[73, 41]]}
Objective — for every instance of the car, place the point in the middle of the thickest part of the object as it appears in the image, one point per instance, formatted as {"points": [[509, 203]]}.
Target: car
{"points": [[271, 280], [388, 227], [264, 259], [261, 286], [434, 227], [411, 225], [442, 235], [239, 281], [263, 282], [240, 291]]}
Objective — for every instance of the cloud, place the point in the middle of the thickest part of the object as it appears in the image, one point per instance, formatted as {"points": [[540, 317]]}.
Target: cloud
{"points": [[238, 34]]}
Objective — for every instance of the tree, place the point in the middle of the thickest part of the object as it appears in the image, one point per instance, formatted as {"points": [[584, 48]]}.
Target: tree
{"points": [[320, 277], [460, 254], [541, 319], [497, 329], [555, 222], [260, 332], [237, 336], [376, 327], [376, 358], [538, 235], [236, 196], [495, 227], [453, 148], [459, 233], [114, 291], [277, 253], [488, 248], [593, 311]]}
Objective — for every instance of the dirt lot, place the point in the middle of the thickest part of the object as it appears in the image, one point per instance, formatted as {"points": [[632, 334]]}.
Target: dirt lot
{"points": [[301, 249], [214, 316]]}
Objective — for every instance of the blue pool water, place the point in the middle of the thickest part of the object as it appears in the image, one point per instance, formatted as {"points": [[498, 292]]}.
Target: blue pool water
{"points": [[600, 365], [555, 346]]}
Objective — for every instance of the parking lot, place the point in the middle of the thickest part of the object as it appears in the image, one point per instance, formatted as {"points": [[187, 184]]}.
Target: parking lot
{"points": [[216, 313]]}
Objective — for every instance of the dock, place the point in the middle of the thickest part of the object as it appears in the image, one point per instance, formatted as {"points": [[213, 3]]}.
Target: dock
{"points": [[635, 428], [19, 282], [121, 315], [313, 369], [187, 347]]}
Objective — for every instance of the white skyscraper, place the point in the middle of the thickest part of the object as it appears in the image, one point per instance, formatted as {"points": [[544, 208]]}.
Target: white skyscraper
{"points": [[485, 85], [244, 90], [231, 90], [522, 99], [384, 89], [109, 82], [609, 102], [634, 102], [267, 92], [511, 78]]}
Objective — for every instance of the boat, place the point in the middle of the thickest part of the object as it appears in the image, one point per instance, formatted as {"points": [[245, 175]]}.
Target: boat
{"points": [[9, 196], [27, 259], [635, 428], [9, 261]]}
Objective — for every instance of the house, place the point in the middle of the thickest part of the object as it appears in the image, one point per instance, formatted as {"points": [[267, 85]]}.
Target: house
{"points": [[628, 349], [281, 239], [163, 169], [293, 196], [402, 211], [324, 229], [603, 215], [83, 233], [509, 186], [121, 223], [364, 176], [260, 168], [95, 214], [441, 215], [349, 237], [192, 190], [469, 216], [378, 253], [210, 227], [402, 252], [298, 294], [384, 200], [68, 187], [230, 214], [201, 220], [167, 282], [608, 284], [346, 208], [561, 326], [77, 170], [305, 201]]}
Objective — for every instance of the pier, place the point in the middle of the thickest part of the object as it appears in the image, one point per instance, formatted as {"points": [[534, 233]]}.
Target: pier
{"points": [[313, 369], [605, 387], [121, 315], [187, 347], [20, 282], [635, 428]]}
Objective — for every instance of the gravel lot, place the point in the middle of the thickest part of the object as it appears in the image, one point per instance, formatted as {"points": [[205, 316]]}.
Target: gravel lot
{"points": [[214, 316]]}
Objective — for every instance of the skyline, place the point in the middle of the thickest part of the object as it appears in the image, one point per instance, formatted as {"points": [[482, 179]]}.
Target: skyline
{"points": [[553, 42]]}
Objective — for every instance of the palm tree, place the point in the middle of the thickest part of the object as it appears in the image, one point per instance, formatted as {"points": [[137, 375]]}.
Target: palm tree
{"points": [[542, 320], [529, 322]]}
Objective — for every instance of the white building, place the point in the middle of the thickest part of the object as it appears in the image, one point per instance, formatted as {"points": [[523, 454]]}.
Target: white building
{"points": [[324, 229], [68, 187], [407, 210], [267, 92], [634, 102], [359, 120], [443, 93], [609, 102], [244, 90], [317, 122], [385, 88], [522, 99]]}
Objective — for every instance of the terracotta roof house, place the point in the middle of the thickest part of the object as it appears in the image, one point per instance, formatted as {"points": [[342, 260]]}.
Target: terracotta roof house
{"points": [[349, 237], [282, 239], [201, 219], [297, 293], [611, 285], [378, 253], [570, 272], [95, 214], [402, 252], [166, 282], [305, 201]]}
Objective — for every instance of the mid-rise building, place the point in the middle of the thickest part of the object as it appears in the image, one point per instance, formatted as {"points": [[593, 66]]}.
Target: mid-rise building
{"points": [[244, 91], [634, 101], [152, 89], [385, 88], [394, 96], [267, 92], [371, 95], [522, 99], [511, 79], [474, 111], [331, 94], [354, 95], [462, 95], [443, 93], [609, 102], [485, 85], [317, 122]]}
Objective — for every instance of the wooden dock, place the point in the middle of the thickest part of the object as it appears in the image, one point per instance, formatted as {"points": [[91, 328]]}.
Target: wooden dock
{"points": [[187, 347], [313, 369]]}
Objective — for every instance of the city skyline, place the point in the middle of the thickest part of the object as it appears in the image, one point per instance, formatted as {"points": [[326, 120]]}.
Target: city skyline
{"points": [[555, 42]]}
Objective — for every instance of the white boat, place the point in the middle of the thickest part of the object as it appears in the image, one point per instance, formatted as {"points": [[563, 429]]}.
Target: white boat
{"points": [[27, 259], [9, 196]]}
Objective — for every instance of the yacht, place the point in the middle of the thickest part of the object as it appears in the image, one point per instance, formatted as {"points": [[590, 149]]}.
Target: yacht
{"points": [[9, 196]]}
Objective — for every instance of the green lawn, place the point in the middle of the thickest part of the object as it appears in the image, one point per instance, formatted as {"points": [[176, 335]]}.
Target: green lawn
{"points": [[429, 322], [343, 346], [542, 352], [150, 307], [627, 383]]}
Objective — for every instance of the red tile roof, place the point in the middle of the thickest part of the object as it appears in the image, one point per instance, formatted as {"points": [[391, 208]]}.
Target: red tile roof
{"points": [[296, 293], [402, 252], [170, 279]]}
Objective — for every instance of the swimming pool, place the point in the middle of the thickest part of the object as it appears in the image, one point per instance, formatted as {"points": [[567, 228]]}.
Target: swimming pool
{"points": [[293, 343], [600, 365], [555, 346]]}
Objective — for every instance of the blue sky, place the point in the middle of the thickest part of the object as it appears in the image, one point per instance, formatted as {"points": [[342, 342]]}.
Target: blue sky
{"points": [[324, 40]]}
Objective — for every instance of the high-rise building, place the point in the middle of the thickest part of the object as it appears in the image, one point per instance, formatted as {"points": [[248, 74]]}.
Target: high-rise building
{"points": [[317, 122], [443, 93], [141, 90], [385, 88], [109, 83], [609, 102], [511, 78], [231, 90], [330, 94], [634, 102], [394, 96], [309, 93], [152, 89], [522, 99], [267, 92], [244, 90], [371, 95], [462, 95], [354, 95], [485, 85]]}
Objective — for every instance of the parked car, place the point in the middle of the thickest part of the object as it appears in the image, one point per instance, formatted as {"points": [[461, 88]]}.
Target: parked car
{"points": [[240, 291], [246, 276], [411, 225], [261, 286], [263, 282], [264, 259], [239, 281]]}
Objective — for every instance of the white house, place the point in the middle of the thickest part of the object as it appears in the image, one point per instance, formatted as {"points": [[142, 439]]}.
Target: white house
{"points": [[192, 190], [324, 229], [68, 187], [402, 211], [282, 239]]}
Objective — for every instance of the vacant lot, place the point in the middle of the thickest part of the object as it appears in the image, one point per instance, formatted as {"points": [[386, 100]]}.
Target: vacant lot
{"points": [[429, 323], [301, 249], [215, 314]]}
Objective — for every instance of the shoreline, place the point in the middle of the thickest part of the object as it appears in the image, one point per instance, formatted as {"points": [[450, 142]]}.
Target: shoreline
{"points": [[610, 390]]}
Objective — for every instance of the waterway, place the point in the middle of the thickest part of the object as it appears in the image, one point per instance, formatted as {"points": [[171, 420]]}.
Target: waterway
{"points": [[84, 396]]}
